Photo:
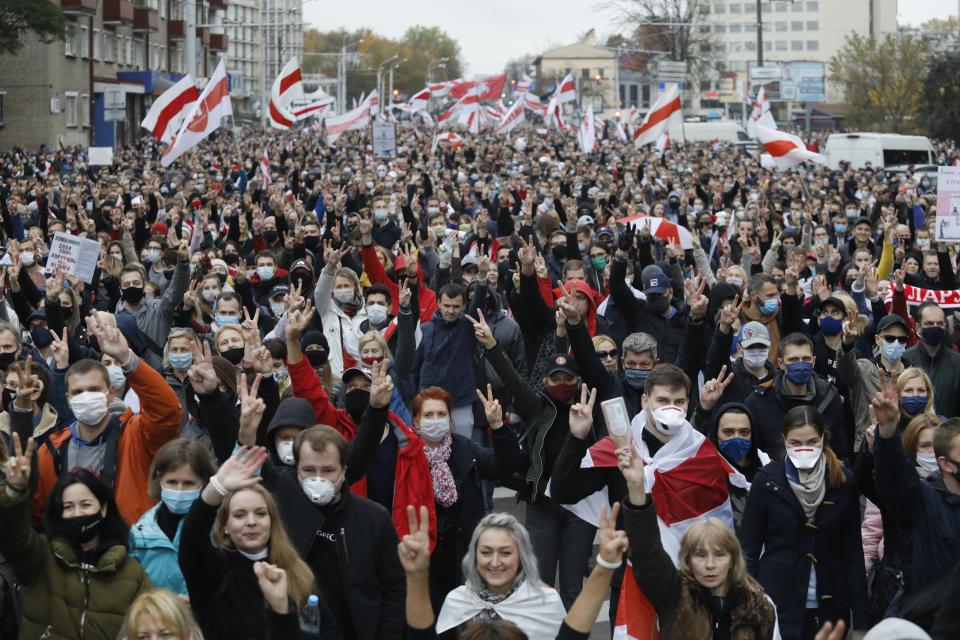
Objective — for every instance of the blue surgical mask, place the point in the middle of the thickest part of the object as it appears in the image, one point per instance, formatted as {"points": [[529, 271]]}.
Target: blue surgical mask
{"points": [[636, 378], [379, 215], [831, 326], [180, 361], [225, 320], [178, 502], [735, 449], [893, 351], [770, 306], [914, 405], [799, 372], [839, 227]]}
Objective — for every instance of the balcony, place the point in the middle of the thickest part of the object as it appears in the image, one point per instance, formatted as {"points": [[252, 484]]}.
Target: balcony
{"points": [[117, 12], [218, 42], [203, 34], [176, 29], [79, 7], [218, 4], [145, 19]]}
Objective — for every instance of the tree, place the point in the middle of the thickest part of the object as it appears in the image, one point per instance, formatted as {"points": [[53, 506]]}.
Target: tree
{"points": [[941, 88], [43, 18], [882, 80]]}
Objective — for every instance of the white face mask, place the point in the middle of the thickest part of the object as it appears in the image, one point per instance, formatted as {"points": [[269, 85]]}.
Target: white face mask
{"points": [[285, 451], [209, 295], [804, 457], [266, 273], [669, 420], [343, 295], [755, 358], [377, 313], [117, 377], [434, 430], [27, 258], [319, 491], [89, 407], [928, 461], [277, 309]]}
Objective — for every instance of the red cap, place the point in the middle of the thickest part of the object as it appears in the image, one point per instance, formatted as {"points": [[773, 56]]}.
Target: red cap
{"points": [[158, 228]]}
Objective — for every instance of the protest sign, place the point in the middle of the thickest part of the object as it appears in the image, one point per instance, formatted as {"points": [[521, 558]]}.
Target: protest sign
{"points": [[948, 204], [73, 255], [384, 140], [100, 156]]}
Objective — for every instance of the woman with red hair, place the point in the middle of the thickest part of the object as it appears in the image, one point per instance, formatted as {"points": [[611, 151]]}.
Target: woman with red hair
{"points": [[457, 465]]}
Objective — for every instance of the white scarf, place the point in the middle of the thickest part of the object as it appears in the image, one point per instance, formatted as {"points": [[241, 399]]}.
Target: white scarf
{"points": [[537, 611]]}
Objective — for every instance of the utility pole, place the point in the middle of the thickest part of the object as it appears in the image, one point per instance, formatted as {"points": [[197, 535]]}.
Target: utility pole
{"points": [[759, 35], [190, 37]]}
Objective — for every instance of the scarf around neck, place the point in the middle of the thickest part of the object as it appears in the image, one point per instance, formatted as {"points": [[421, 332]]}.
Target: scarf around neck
{"points": [[808, 485], [444, 486]]}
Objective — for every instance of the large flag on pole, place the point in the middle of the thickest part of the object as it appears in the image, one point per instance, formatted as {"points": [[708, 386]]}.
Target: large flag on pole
{"points": [[169, 110], [287, 87], [566, 90], [204, 118], [588, 131], [760, 114], [664, 113], [787, 150], [513, 117], [356, 118]]}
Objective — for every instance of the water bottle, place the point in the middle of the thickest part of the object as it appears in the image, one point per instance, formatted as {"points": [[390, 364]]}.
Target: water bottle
{"points": [[310, 618]]}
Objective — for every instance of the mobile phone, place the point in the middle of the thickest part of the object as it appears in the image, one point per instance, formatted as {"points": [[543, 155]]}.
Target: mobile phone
{"points": [[617, 419]]}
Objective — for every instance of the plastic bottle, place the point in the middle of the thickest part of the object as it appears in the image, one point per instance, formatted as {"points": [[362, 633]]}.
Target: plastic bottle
{"points": [[310, 618]]}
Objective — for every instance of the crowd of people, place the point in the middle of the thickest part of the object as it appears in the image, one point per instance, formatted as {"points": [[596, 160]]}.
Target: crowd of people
{"points": [[282, 403]]}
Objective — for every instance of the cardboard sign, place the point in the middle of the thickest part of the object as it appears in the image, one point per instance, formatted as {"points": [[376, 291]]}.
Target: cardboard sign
{"points": [[384, 140], [73, 255], [948, 204], [100, 156]]}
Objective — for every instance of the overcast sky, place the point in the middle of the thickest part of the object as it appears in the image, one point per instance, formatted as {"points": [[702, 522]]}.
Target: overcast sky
{"points": [[491, 32]]}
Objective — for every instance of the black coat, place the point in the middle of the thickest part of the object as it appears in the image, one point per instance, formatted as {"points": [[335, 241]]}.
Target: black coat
{"points": [[780, 546]]}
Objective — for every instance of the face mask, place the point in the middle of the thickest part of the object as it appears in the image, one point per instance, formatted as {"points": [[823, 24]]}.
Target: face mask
{"points": [[168, 274], [311, 242], [118, 256], [434, 430], [231, 258], [7, 359], [117, 377], [928, 461], [893, 351], [840, 228], [180, 361], [377, 314], [923, 243], [280, 376], [133, 295], [933, 336], [379, 215], [81, 529], [27, 258], [804, 457], [270, 236], [234, 355], [285, 451], [439, 232], [559, 252], [276, 308], [669, 420], [41, 336], [769, 307], [756, 358], [343, 295], [466, 228], [657, 303], [562, 393], [735, 448], [9, 395], [223, 321], [831, 326], [735, 281], [914, 405], [582, 247], [316, 357], [178, 502], [369, 184], [636, 378], [799, 372], [356, 402], [210, 295], [599, 262], [153, 255], [319, 491], [89, 407], [266, 273]]}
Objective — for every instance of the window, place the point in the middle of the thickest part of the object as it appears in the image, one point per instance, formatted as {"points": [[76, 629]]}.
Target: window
{"points": [[781, 45], [720, 28], [633, 95], [767, 45], [84, 42], [96, 44], [736, 27], [719, 8], [107, 46], [796, 45], [750, 7], [584, 74], [813, 5], [623, 95], [70, 99], [796, 7], [750, 27], [645, 95], [705, 28], [138, 57], [780, 7], [750, 45], [813, 25], [70, 39], [813, 45], [796, 25], [735, 8], [782, 26], [600, 72], [85, 110]]}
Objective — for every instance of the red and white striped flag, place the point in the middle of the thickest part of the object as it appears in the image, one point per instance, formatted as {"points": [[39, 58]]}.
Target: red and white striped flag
{"points": [[309, 110], [566, 90], [513, 117], [532, 102], [588, 131], [265, 170], [440, 89], [205, 116], [287, 87], [419, 100], [663, 142], [760, 114], [356, 118], [169, 110], [468, 110], [787, 150], [523, 85], [664, 113]]}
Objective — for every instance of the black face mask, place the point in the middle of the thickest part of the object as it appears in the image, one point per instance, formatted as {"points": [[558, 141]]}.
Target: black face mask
{"points": [[356, 403], [317, 357], [559, 252], [234, 355], [7, 359], [270, 236], [41, 336], [168, 274], [657, 303], [231, 258], [81, 529], [311, 242], [133, 295], [8, 395]]}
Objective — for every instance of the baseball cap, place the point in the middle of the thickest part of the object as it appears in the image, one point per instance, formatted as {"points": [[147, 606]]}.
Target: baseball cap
{"points": [[468, 260], [300, 264], [603, 231], [754, 333], [562, 362], [279, 291], [891, 320], [863, 220], [356, 370], [585, 220], [655, 281], [896, 629], [835, 302]]}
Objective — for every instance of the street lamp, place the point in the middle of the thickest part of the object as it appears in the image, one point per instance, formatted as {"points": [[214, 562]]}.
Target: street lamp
{"points": [[393, 93], [380, 72], [436, 64]]}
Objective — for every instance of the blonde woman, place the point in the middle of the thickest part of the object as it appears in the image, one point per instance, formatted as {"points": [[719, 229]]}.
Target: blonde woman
{"points": [[235, 555], [607, 351], [160, 614], [340, 309], [915, 390]]}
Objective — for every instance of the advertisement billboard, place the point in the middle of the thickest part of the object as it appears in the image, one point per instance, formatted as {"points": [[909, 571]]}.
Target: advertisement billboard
{"points": [[798, 81]]}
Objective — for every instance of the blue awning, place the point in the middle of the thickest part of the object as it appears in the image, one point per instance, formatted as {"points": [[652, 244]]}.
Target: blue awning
{"points": [[154, 82]]}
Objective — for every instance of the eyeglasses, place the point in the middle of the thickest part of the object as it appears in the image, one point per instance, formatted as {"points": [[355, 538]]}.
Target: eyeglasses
{"points": [[608, 355], [890, 339]]}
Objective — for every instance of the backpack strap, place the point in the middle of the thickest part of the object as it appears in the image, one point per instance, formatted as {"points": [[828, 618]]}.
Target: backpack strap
{"points": [[109, 471], [8, 580]]}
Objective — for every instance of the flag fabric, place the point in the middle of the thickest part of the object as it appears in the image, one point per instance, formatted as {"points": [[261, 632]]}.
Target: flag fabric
{"points": [[419, 100], [487, 89], [621, 131], [554, 115], [265, 170], [169, 110], [523, 85], [515, 115], [315, 108], [287, 88], [786, 150], [468, 110], [531, 101], [760, 114], [205, 116], [663, 142], [356, 118], [588, 131], [662, 229], [440, 89], [664, 113], [566, 91]]}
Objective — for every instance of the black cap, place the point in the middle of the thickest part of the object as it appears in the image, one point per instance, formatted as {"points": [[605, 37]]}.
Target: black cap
{"points": [[835, 302], [562, 362], [863, 220], [891, 319]]}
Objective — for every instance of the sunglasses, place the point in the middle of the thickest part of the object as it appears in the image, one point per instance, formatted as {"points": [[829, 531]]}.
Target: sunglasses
{"points": [[605, 355], [890, 339]]}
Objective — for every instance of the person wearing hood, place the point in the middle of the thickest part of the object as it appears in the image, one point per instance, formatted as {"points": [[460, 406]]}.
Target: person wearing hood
{"points": [[751, 368], [293, 415]]}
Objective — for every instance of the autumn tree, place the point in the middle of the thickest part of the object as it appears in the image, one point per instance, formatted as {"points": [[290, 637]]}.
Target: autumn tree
{"points": [[941, 88]]}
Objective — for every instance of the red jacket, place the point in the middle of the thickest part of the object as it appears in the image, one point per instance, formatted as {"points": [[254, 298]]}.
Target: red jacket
{"points": [[413, 484], [377, 275]]}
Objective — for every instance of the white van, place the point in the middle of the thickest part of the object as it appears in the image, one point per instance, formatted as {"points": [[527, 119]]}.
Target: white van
{"points": [[722, 131], [879, 149]]}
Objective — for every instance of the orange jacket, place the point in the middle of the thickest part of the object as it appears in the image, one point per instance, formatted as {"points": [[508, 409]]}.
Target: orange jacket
{"points": [[142, 436]]}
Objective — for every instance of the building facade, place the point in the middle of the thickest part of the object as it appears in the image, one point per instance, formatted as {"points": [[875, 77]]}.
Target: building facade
{"points": [[595, 69], [95, 87]]}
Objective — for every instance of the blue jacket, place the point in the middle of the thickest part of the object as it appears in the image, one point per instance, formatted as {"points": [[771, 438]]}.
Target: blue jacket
{"points": [[158, 555], [779, 547], [445, 359]]}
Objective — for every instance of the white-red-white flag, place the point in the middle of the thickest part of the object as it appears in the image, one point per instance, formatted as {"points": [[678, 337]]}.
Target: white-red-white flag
{"points": [[468, 110], [487, 89], [168, 111], [356, 118], [787, 150], [204, 118], [512, 118], [663, 142], [566, 90], [760, 114], [532, 102], [664, 113], [316, 108], [440, 89], [588, 131], [419, 100], [287, 88], [523, 85], [265, 170]]}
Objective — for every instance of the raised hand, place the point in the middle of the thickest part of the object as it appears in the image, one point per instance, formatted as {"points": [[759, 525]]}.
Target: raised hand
{"points": [[61, 350], [273, 584], [414, 548], [491, 408], [250, 328], [482, 331], [333, 256], [251, 409], [898, 277], [581, 414], [528, 255], [713, 389], [567, 304], [203, 377], [381, 385], [850, 331], [261, 359], [631, 467], [298, 320], [730, 313], [627, 238], [238, 472], [404, 294], [29, 386], [111, 341], [55, 285], [294, 300], [613, 543], [540, 267], [17, 467], [695, 298], [886, 405]]}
